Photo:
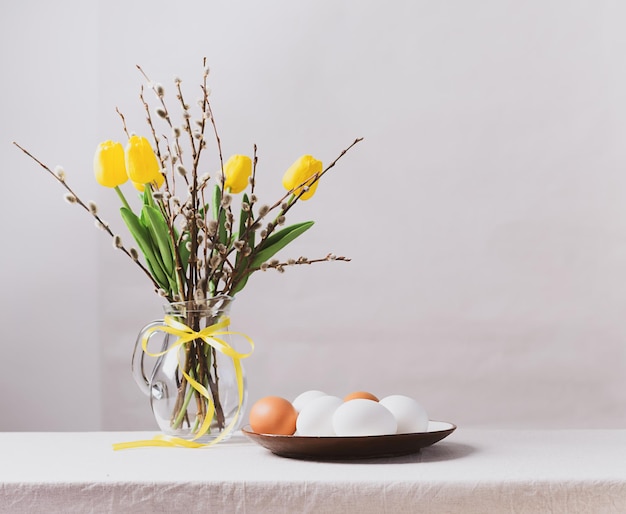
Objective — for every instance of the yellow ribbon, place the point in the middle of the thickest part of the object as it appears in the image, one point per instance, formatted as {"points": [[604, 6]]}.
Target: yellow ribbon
{"points": [[210, 335]]}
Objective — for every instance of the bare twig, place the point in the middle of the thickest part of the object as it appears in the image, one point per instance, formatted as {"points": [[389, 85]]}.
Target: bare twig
{"points": [[101, 223]]}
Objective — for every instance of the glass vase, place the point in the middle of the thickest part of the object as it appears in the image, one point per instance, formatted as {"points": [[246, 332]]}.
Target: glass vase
{"points": [[196, 384]]}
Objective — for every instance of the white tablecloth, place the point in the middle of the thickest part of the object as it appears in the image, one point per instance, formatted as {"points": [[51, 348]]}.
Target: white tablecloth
{"points": [[472, 471]]}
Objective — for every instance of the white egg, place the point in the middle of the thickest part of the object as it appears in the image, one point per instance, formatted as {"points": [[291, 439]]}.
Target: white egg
{"points": [[410, 415], [304, 398], [362, 417], [316, 417]]}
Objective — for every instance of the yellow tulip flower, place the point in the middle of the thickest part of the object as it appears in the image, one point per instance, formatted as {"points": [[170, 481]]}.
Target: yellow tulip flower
{"points": [[108, 164], [305, 168], [158, 183], [141, 163], [237, 171]]}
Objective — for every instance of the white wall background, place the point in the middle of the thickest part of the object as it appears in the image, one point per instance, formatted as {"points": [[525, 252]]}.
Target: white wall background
{"points": [[484, 211]]}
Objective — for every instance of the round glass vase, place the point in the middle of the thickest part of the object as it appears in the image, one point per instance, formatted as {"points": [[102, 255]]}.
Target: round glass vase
{"points": [[197, 390]]}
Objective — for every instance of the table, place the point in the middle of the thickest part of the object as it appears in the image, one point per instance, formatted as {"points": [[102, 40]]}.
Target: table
{"points": [[472, 471]]}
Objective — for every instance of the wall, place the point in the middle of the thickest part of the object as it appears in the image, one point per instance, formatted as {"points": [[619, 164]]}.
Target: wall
{"points": [[483, 212], [50, 366]]}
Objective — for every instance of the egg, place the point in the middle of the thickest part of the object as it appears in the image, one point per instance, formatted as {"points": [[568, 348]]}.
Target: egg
{"points": [[363, 417], [316, 417], [273, 415], [302, 399], [409, 414], [360, 394]]}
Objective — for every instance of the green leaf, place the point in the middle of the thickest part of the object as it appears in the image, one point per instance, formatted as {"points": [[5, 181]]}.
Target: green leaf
{"points": [[142, 236], [268, 248], [147, 196], [159, 275], [184, 253], [243, 218], [219, 214], [160, 234], [245, 214], [240, 285], [203, 210], [277, 241], [241, 261], [217, 200]]}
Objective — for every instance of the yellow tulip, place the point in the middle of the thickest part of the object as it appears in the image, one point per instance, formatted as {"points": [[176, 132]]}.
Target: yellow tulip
{"points": [[299, 173], [158, 182], [237, 171], [108, 164], [141, 163]]}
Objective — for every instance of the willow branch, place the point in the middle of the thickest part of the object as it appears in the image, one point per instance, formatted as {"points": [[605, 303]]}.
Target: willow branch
{"points": [[100, 222]]}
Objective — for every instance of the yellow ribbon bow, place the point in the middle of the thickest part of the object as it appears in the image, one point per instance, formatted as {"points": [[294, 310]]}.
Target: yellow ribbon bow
{"points": [[211, 336]]}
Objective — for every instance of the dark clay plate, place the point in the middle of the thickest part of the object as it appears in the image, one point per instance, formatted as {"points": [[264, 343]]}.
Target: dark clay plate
{"points": [[348, 448]]}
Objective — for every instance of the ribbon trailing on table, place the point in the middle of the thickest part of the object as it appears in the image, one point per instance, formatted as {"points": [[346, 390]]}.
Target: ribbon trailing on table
{"points": [[211, 336]]}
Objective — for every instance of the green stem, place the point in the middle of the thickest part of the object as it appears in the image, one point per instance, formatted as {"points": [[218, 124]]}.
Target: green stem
{"points": [[196, 425], [122, 197], [183, 409]]}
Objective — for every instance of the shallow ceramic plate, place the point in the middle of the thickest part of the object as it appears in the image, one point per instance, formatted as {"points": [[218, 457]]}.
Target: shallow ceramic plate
{"points": [[361, 447]]}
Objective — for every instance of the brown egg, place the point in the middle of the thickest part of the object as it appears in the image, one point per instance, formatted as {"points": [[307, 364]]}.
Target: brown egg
{"points": [[360, 394], [273, 415]]}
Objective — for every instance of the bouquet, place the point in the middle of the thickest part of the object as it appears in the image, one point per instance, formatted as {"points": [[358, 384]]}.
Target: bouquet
{"points": [[199, 235]]}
